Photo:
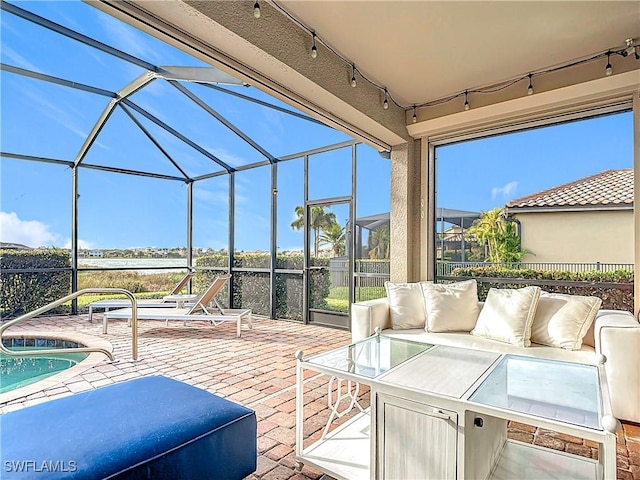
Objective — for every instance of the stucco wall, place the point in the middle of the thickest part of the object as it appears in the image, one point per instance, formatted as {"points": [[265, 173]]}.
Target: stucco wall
{"points": [[598, 236]]}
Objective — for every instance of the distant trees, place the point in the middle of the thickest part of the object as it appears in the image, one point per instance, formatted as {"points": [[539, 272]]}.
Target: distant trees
{"points": [[334, 235], [495, 230], [320, 220], [379, 242]]}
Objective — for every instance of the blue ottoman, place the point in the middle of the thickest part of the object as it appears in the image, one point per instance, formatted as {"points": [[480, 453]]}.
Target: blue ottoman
{"points": [[151, 427]]}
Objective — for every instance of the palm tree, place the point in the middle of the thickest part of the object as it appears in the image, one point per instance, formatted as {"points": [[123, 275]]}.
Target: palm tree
{"points": [[334, 235], [319, 219], [379, 242], [499, 234]]}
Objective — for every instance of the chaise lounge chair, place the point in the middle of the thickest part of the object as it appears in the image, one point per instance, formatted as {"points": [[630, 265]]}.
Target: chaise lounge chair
{"points": [[168, 301], [200, 310]]}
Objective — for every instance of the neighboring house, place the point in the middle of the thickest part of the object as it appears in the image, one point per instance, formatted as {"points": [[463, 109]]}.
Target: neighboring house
{"points": [[589, 220]]}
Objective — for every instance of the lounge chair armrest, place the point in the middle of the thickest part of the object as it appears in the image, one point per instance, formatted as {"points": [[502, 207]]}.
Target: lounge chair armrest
{"points": [[367, 315]]}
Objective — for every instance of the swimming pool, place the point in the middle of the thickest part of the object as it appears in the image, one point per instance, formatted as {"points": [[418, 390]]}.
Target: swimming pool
{"points": [[16, 372]]}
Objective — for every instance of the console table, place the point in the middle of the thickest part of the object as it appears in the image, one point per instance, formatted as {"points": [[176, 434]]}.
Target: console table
{"points": [[442, 412]]}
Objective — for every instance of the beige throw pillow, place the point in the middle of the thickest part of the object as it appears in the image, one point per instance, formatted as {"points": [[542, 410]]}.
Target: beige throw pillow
{"points": [[563, 320], [507, 315], [405, 305], [451, 307]]}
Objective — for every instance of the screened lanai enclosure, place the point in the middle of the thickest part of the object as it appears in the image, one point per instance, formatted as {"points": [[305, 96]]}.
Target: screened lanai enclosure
{"points": [[134, 156]]}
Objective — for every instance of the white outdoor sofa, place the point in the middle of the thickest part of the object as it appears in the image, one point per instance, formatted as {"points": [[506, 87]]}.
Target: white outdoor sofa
{"points": [[614, 335]]}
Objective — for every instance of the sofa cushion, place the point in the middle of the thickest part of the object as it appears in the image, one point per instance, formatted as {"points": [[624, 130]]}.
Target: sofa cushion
{"points": [[563, 320], [406, 305], [585, 355], [451, 307], [507, 315]]}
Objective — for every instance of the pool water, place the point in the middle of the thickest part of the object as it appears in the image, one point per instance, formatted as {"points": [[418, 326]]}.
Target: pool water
{"points": [[16, 372]]}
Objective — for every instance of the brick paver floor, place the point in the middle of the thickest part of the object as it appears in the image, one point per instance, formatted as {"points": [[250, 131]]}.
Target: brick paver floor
{"points": [[258, 371]]}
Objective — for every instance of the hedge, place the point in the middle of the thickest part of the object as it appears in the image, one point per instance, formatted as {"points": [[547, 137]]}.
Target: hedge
{"points": [[252, 289], [615, 298], [24, 292]]}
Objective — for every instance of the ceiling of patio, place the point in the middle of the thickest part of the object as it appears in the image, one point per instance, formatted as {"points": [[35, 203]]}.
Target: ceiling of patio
{"points": [[425, 50], [420, 51]]}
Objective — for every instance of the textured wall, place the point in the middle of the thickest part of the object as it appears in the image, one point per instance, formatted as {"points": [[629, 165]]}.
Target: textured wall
{"points": [[583, 237], [405, 212], [280, 38]]}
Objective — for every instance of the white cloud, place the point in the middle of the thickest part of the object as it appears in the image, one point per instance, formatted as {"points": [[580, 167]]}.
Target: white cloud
{"points": [[81, 244], [128, 39], [27, 232], [505, 191], [18, 59]]}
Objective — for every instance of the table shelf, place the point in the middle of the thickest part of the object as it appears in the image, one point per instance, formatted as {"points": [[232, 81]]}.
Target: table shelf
{"points": [[531, 462], [344, 453]]}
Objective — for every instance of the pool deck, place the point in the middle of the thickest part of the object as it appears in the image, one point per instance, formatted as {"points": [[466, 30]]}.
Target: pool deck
{"points": [[256, 370]]}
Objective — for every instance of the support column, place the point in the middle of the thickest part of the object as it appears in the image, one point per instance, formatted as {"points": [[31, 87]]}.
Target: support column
{"points": [[636, 202], [405, 212]]}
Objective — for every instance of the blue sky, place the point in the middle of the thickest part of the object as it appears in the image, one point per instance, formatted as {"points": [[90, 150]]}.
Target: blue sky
{"points": [[121, 211]]}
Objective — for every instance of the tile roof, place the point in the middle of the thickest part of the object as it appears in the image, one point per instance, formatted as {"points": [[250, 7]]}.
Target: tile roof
{"points": [[611, 188]]}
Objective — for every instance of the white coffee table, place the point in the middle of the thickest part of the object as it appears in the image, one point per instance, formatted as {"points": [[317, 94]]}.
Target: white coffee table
{"points": [[442, 412]]}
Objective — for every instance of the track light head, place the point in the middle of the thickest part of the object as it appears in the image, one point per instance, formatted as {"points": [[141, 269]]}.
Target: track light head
{"points": [[630, 50], [314, 49]]}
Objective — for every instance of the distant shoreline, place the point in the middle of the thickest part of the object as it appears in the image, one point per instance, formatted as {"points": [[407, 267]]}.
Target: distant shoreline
{"points": [[135, 263]]}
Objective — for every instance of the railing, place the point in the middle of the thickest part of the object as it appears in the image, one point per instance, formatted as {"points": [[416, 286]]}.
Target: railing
{"points": [[68, 298], [444, 269]]}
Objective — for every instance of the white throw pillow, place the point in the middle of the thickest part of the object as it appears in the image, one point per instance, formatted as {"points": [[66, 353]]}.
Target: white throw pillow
{"points": [[563, 320], [507, 315], [451, 307], [405, 305]]}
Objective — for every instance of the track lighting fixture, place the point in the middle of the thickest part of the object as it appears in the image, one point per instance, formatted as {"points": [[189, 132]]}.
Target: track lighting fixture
{"points": [[632, 47], [256, 10], [314, 49]]}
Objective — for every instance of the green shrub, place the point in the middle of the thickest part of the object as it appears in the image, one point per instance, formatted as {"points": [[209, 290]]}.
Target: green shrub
{"points": [[26, 291], [615, 298]]}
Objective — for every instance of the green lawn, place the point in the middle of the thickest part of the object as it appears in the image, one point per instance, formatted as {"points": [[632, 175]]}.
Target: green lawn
{"points": [[338, 299]]}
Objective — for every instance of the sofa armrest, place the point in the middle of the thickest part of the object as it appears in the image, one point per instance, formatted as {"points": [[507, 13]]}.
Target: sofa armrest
{"points": [[617, 337], [367, 315]]}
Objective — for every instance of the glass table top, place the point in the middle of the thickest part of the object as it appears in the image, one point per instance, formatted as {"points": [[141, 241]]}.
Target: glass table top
{"points": [[370, 357], [566, 392]]}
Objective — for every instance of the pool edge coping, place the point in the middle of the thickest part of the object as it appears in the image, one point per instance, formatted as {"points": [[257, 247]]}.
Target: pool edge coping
{"points": [[58, 379]]}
